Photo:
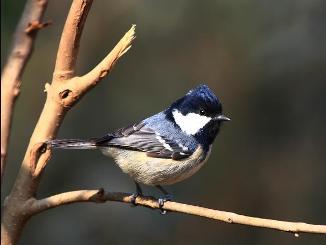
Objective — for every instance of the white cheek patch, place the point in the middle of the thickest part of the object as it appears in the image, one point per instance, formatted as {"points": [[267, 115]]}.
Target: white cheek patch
{"points": [[190, 123]]}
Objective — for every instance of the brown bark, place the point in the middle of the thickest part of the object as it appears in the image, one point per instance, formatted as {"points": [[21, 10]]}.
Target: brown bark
{"points": [[150, 202], [64, 91], [22, 48]]}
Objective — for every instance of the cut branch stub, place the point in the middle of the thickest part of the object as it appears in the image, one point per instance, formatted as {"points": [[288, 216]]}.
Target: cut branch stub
{"points": [[35, 25]]}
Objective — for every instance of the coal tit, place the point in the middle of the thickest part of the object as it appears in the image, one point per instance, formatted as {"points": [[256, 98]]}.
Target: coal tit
{"points": [[165, 148]]}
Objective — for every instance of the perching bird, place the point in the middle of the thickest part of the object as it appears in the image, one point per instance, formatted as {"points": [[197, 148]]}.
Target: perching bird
{"points": [[165, 148]]}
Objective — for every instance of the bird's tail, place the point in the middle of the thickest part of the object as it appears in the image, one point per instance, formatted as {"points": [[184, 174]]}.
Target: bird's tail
{"points": [[72, 144]]}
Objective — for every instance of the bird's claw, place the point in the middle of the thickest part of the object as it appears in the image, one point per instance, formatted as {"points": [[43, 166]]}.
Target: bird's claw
{"points": [[161, 202], [133, 198]]}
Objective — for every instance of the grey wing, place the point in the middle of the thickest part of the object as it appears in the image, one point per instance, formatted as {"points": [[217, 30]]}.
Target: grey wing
{"points": [[138, 137]]}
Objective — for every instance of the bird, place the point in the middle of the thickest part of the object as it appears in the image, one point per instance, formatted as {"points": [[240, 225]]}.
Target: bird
{"points": [[165, 148]]}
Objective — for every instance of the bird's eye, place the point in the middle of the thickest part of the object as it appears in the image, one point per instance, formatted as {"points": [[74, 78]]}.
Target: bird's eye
{"points": [[202, 112]]}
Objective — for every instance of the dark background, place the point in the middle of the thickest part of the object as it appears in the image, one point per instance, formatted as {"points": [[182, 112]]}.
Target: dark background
{"points": [[265, 60]]}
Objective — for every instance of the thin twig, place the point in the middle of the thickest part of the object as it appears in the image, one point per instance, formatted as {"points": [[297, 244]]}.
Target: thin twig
{"points": [[104, 67], [21, 50], [150, 202], [35, 26]]}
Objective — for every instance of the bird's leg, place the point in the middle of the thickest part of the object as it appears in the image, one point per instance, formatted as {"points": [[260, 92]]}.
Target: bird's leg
{"points": [[139, 192], [161, 201], [138, 189]]}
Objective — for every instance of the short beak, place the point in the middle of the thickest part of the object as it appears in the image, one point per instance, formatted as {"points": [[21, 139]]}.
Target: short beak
{"points": [[222, 118]]}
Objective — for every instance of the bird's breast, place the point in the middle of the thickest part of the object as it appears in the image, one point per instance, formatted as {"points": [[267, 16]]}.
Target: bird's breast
{"points": [[157, 171]]}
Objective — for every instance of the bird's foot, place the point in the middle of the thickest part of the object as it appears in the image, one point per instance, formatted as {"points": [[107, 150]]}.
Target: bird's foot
{"points": [[138, 193], [162, 200], [133, 198]]}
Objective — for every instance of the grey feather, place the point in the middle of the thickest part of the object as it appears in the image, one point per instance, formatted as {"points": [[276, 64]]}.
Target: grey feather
{"points": [[72, 144], [139, 137]]}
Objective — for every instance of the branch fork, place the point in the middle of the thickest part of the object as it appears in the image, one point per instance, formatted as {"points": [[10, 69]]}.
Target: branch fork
{"points": [[39, 156], [64, 91]]}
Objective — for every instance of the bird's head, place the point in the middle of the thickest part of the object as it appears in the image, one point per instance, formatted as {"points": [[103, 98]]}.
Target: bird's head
{"points": [[198, 113]]}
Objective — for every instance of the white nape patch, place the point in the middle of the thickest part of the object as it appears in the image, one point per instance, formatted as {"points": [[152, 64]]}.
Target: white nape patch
{"points": [[190, 123], [162, 141]]}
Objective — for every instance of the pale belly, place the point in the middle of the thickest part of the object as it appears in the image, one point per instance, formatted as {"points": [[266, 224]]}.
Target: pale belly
{"points": [[156, 171]]}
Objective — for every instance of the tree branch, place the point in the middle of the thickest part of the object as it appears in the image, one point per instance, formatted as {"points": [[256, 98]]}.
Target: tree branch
{"points": [[64, 91], [70, 39], [22, 48], [71, 92], [102, 69], [150, 202]]}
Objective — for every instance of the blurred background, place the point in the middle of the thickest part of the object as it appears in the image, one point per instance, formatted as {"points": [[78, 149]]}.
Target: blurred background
{"points": [[266, 60]]}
